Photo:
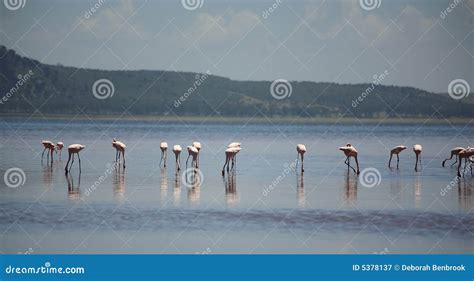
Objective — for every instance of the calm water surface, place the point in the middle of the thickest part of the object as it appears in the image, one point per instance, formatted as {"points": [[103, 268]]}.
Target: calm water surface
{"points": [[263, 207]]}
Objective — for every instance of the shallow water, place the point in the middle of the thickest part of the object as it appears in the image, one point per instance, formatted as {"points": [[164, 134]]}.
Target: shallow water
{"points": [[262, 207]]}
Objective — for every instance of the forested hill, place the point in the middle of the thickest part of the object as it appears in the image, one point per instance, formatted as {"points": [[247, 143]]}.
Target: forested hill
{"points": [[56, 89]]}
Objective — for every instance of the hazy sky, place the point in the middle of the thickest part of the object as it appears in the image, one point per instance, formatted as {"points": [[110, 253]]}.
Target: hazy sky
{"points": [[333, 41]]}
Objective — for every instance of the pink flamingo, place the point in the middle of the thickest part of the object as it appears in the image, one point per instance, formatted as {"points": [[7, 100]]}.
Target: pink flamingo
{"points": [[59, 146], [73, 149], [48, 145], [467, 154], [396, 150], [119, 149], [417, 148], [234, 145], [197, 145], [192, 151], [350, 151], [164, 149], [301, 149], [230, 155], [454, 152], [177, 152]]}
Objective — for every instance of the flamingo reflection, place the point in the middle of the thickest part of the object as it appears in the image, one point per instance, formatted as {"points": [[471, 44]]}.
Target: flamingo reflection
{"points": [[118, 183], [193, 181], [73, 191], [300, 190], [350, 190], [163, 185], [230, 184], [177, 188]]}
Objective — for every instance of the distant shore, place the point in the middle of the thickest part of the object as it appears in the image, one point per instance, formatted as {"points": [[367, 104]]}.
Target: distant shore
{"points": [[244, 120]]}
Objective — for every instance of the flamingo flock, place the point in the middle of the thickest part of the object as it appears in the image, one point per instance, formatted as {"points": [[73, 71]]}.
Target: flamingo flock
{"points": [[459, 153]]}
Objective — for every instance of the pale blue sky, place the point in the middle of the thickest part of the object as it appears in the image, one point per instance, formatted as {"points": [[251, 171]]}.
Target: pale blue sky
{"points": [[329, 41]]}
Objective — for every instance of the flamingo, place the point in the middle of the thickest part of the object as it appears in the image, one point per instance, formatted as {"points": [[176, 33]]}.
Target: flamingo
{"points": [[467, 153], [192, 151], [396, 150], [350, 151], [48, 145], [119, 149], [73, 149], [417, 148], [177, 151], [230, 154], [164, 148], [59, 146], [197, 145], [454, 152], [301, 149], [234, 145]]}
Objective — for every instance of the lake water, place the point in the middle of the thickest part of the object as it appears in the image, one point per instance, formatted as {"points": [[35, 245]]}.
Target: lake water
{"points": [[262, 207]]}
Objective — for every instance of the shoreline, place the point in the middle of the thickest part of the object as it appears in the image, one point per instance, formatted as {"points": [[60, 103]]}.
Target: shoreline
{"points": [[244, 120]]}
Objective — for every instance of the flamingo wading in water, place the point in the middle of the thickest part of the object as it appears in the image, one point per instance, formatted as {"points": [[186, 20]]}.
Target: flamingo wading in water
{"points": [[467, 154], [301, 149], [350, 151], [197, 145], [164, 149], [192, 151], [177, 152], [50, 146], [454, 152], [230, 155], [396, 150], [73, 149], [417, 149], [59, 146], [119, 149]]}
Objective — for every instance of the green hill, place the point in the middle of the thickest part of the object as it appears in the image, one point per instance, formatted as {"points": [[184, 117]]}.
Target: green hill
{"points": [[56, 89]]}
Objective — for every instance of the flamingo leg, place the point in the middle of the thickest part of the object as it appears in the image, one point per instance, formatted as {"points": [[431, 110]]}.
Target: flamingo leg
{"points": [[226, 163], [161, 159], [51, 152], [79, 162], [398, 160], [123, 155], [187, 159], [302, 163], [67, 164], [416, 163], [390, 159], [459, 168], [455, 161], [166, 156], [444, 161]]}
